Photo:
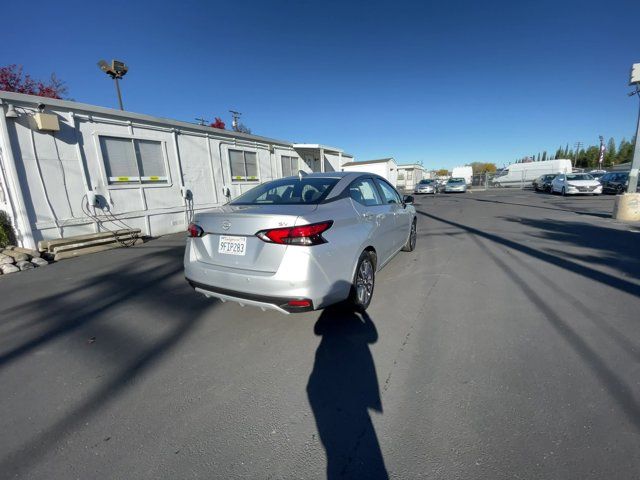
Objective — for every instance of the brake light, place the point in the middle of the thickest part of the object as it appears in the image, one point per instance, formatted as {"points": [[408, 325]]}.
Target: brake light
{"points": [[195, 230], [303, 235], [299, 303]]}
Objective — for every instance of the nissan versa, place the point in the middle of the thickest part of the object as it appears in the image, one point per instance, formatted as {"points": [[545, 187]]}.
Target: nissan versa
{"points": [[300, 243]]}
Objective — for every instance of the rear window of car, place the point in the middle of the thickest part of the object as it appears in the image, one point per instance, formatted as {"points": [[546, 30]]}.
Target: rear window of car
{"points": [[288, 191], [456, 180]]}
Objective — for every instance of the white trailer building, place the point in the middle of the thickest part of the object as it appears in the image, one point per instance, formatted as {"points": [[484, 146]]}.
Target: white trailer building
{"points": [[409, 176], [70, 169], [385, 167]]}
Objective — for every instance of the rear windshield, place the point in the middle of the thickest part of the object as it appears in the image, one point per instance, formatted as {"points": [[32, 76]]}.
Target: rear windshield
{"points": [[426, 182], [456, 180], [288, 191]]}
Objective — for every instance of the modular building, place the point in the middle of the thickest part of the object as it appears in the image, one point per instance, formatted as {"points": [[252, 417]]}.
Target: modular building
{"points": [[385, 167], [69, 168], [410, 175]]}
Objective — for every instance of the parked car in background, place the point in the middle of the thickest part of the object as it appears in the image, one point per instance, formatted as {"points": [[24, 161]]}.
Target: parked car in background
{"points": [[455, 185], [575, 184], [597, 174], [300, 243], [543, 183], [465, 172], [614, 182], [426, 186]]}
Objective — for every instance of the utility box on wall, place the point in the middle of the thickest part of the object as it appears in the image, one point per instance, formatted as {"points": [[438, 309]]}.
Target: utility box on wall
{"points": [[46, 121]]}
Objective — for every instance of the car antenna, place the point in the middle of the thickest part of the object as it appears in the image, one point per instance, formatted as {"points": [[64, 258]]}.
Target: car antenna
{"points": [[301, 174]]}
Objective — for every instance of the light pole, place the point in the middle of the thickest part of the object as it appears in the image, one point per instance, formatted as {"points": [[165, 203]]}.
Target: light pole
{"points": [[116, 70], [635, 164]]}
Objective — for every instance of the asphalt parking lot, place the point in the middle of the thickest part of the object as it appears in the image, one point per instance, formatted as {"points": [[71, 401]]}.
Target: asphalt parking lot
{"points": [[506, 346]]}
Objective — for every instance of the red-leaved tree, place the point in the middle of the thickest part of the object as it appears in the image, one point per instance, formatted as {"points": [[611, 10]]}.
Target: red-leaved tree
{"points": [[13, 80], [218, 123]]}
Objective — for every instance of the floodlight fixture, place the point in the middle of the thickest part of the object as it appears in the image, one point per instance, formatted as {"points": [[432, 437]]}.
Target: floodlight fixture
{"points": [[635, 74], [115, 70]]}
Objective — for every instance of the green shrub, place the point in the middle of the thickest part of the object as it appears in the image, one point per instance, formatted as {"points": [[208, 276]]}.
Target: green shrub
{"points": [[7, 235]]}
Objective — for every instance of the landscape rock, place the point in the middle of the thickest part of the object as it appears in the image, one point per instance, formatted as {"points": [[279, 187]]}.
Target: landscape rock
{"points": [[6, 259], [17, 256], [25, 265], [27, 251], [39, 262], [8, 268]]}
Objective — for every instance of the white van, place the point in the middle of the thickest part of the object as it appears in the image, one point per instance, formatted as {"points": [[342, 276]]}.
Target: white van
{"points": [[465, 172], [523, 174]]}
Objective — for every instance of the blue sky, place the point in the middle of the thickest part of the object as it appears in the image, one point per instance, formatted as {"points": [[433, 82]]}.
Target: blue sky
{"points": [[446, 82]]}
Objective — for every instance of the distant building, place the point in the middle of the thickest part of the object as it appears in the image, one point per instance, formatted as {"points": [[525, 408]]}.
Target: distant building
{"points": [[385, 167], [409, 176]]}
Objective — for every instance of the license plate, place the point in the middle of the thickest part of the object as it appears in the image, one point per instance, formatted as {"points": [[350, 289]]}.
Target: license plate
{"points": [[229, 245]]}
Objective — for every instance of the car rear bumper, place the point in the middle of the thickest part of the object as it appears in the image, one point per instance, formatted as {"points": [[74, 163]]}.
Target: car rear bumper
{"points": [[305, 273], [280, 304]]}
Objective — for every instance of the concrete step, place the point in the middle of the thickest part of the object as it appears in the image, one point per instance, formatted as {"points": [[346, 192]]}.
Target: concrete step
{"points": [[47, 245], [91, 243], [88, 250]]}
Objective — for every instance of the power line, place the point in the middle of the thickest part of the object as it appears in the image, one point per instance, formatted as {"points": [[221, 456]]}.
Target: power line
{"points": [[236, 117], [577, 146]]}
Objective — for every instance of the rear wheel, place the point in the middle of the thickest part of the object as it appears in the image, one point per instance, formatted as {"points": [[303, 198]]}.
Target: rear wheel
{"points": [[363, 283], [411, 241]]}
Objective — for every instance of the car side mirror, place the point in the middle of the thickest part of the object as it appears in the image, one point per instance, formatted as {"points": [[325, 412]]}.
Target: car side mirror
{"points": [[407, 200]]}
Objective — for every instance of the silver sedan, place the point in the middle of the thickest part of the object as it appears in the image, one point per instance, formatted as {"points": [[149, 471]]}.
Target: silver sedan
{"points": [[300, 243], [457, 185]]}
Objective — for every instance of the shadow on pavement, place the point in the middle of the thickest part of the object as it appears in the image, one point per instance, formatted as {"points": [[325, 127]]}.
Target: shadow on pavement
{"points": [[559, 261], [619, 247], [158, 288], [342, 387], [615, 385], [617, 388], [528, 205]]}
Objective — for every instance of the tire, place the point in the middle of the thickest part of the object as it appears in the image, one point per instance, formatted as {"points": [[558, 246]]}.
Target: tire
{"points": [[410, 246], [363, 283]]}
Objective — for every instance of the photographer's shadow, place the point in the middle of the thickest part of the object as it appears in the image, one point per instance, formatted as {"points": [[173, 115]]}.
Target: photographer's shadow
{"points": [[343, 386]]}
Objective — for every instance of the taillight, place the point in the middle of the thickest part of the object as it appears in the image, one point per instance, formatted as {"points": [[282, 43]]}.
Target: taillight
{"points": [[195, 230], [299, 303], [303, 235]]}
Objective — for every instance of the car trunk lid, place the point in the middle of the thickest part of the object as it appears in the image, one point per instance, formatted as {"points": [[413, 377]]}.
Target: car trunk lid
{"points": [[238, 224]]}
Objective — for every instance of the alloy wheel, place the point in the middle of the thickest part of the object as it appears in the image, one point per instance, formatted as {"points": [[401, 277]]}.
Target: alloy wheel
{"points": [[364, 282]]}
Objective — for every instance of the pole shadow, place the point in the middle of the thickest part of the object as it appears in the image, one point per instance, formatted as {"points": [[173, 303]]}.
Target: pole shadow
{"points": [[342, 387]]}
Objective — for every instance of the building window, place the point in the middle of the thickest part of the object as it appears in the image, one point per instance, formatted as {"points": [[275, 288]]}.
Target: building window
{"points": [[244, 166], [409, 175], [131, 161], [289, 166]]}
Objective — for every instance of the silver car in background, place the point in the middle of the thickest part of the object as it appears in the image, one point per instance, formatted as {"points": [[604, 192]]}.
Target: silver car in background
{"points": [[426, 186], [300, 243], [455, 185]]}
